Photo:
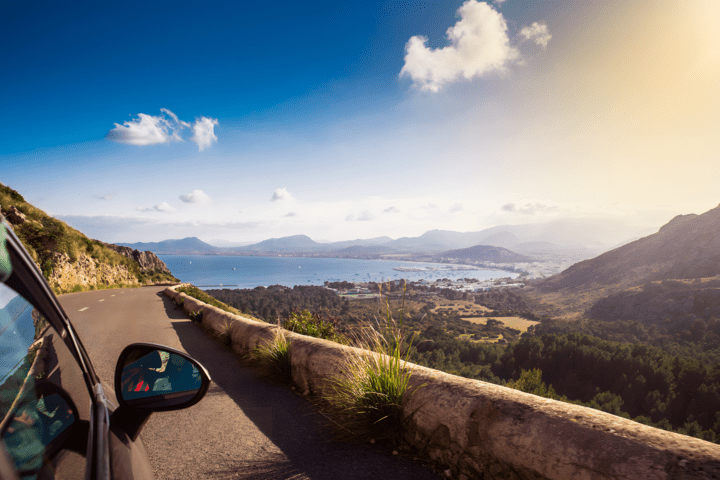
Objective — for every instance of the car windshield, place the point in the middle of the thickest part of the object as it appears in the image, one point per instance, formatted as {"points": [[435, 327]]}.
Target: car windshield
{"points": [[40, 384]]}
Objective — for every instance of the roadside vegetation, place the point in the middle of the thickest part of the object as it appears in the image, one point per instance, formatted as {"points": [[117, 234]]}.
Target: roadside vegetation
{"points": [[367, 402], [664, 375]]}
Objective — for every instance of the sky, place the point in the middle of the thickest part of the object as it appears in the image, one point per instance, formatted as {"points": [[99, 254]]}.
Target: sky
{"points": [[241, 121]]}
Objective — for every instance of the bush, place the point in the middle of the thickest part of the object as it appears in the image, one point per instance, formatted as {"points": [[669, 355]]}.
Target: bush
{"points": [[312, 324]]}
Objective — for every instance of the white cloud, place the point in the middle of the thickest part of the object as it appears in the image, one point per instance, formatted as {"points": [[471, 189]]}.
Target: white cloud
{"points": [[458, 207], [196, 196], [204, 132], [281, 194], [144, 209], [164, 207], [163, 128], [148, 130], [290, 214], [175, 118], [363, 217], [392, 209], [479, 45], [529, 208], [537, 32]]}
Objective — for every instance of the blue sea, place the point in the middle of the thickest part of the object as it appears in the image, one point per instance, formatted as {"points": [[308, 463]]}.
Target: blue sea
{"points": [[211, 271]]}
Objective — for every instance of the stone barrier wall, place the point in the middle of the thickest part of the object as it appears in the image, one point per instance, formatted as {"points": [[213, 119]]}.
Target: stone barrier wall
{"points": [[481, 430]]}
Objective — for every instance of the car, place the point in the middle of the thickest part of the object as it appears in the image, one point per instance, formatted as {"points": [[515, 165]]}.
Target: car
{"points": [[58, 419]]}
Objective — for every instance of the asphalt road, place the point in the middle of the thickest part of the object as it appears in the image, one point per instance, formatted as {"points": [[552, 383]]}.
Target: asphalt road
{"points": [[245, 427]]}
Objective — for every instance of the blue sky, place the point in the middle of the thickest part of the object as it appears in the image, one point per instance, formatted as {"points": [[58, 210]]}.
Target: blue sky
{"points": [[141, 121]]}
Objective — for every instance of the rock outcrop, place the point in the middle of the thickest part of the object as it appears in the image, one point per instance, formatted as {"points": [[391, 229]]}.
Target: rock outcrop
{"points": [[14, 216], [87, 272], [148, 261]]}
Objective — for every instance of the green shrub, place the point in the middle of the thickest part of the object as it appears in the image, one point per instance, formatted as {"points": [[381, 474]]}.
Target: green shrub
{"points": [[306, 323]]}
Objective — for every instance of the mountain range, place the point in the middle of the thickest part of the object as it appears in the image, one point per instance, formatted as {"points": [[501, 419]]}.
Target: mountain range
{"points": [[527, 240]]}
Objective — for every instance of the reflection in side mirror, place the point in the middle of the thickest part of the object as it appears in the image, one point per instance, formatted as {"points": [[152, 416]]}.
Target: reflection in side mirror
{"points": [[38, 426], [157, 378]]}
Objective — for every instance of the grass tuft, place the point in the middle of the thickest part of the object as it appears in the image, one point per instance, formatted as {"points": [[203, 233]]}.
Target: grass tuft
{"points": [[368, 402], [196, 316], [225, 335], [274, 359]]}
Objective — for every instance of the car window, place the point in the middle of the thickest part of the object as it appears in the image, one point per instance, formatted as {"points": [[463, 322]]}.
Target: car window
{"points": [[44, 401]]}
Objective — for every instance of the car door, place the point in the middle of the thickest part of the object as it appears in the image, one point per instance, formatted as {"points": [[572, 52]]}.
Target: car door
{"points": [[58, 420]]}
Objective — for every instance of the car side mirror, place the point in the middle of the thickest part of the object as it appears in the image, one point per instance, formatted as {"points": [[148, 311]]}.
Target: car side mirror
{"points": [[155, 378]]}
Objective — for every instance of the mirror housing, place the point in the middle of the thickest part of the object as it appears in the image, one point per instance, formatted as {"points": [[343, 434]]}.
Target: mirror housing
{"points": [[154, 378]]}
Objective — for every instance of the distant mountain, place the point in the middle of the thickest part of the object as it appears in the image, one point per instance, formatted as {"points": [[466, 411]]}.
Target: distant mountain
{"points": [[226, 244], [364, 251], [436, 241], [359, 242], [486, 253], [185, 246], [530, 247], [291, 244], [687, 247], [503, 239]]}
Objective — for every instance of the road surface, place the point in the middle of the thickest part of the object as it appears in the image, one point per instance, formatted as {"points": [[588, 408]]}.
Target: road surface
{"points": [[245, 427]]}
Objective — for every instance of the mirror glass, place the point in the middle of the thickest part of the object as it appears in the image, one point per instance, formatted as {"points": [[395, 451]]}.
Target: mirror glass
{"points": [[154, 377]]}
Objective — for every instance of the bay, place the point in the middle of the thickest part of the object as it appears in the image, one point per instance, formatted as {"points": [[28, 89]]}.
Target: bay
{"points": [[214, 271]]}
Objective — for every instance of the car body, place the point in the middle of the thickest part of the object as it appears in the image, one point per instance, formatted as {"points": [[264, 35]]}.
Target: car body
{"points": [[58, 419]]}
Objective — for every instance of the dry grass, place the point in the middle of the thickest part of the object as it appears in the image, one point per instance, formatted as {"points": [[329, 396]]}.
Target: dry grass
{"points": [[461, 307], [517, 323], [367, 404]]}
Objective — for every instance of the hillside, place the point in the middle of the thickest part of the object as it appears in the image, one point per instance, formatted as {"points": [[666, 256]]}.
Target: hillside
{"points": [[485, 253], [687, 247], [68, 259]]}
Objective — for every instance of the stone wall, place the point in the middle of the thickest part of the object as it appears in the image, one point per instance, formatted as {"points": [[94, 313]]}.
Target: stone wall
{"points": [[481, 430]]}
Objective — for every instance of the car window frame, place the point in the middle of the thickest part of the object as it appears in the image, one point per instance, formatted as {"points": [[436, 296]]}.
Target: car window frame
{"points": [[27, 280]]}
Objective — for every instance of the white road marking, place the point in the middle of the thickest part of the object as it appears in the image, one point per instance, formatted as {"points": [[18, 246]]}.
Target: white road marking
{"points": [[83, 309], [112, 295], [101, 300]]}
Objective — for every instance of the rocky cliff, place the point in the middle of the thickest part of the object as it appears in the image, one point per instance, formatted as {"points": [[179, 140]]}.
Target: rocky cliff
{"points": [[148, 261], [86, 273]]}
